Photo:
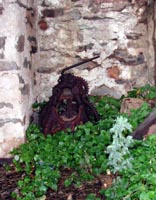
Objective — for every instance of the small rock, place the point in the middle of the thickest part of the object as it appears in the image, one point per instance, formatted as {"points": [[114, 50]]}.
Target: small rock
{"points": [[130, 103], [70, 197], [75, 14]]}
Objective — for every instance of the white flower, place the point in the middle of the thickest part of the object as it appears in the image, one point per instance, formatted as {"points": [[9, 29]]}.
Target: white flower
{"points": [[16, 157]]}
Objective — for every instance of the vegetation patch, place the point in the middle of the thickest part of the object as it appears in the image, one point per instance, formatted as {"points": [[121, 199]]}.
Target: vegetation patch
{"points": [[92, 150]]}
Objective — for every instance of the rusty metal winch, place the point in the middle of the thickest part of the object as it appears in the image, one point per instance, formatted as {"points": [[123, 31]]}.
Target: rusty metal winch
{"points": [[69, 105]]}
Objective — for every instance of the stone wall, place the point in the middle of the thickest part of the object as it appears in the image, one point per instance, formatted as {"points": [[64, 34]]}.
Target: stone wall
{"points": [[120, 30], [38, 38], [16, 74]]}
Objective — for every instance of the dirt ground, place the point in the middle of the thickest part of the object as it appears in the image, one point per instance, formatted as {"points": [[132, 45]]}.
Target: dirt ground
{"points": [[9, 179]]}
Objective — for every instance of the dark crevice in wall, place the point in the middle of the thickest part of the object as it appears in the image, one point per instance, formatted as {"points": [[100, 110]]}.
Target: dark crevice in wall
{"points": [[23, 5]]}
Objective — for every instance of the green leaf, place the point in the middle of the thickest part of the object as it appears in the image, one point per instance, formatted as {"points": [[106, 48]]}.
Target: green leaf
{"points": [[68, 182], [144, 196]]}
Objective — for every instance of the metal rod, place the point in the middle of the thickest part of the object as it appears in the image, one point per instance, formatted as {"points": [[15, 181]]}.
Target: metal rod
{"points": [[77, 64]]}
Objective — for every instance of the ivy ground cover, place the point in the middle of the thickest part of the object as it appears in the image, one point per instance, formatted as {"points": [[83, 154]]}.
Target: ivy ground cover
{"points": [[86, 157]]}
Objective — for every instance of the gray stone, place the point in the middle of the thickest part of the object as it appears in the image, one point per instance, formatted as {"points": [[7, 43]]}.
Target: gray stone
{"points": [[35, 118], [133, 36], [8, 120], [2, 42], [85, 27], [32, 39], [96, 17], [2, 55], [44, 70], [52, 12], [8, 105], [27, 63], [1, 9], [121, 81], [118, 7], [8, 66], [85, 48], [127, 59], [20, 43], [25, 89], [75, 14], [104, 90]]}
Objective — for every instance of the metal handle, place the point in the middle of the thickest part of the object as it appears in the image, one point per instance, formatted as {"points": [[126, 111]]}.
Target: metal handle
{"points": [[77, 64]]}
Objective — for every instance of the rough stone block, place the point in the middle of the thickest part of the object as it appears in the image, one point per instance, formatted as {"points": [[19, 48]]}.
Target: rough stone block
{"points": [[133, 35], [2, 42], [1, 9], [125, 58], [8, 105], [20, 43], [75, 14], [52, 12]]}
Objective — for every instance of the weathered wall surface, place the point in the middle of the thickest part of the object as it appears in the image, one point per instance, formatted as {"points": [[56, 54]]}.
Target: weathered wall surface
{"points": [[120, 30], [16, 36]]}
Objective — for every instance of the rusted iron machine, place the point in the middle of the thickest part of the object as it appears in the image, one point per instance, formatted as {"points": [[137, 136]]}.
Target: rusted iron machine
{"points": [[69, 105]]}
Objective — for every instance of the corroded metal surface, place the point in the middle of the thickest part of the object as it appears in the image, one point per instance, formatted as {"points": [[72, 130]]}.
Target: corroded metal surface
{"points": [[69, 105]]}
